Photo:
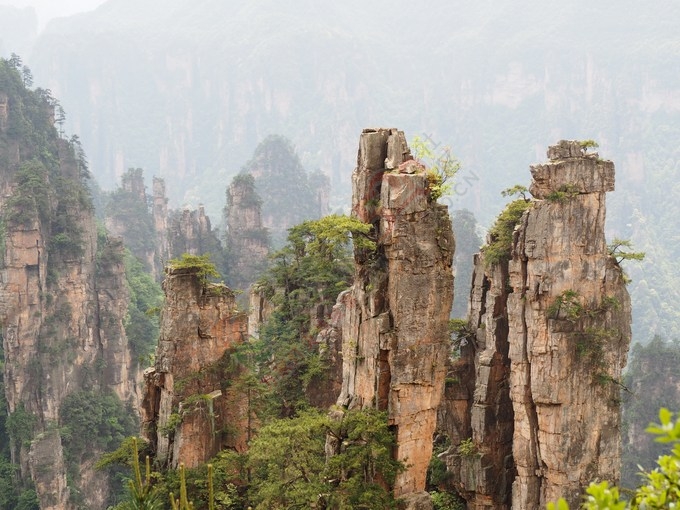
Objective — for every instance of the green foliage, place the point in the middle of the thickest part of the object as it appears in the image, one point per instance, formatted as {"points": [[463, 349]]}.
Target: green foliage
{"points": [[141, 493], [437, 473], [101, 417], [198, 264], [620, 250], [20, 425], [518, 191], [289, 469], [461, 332], [32, 195], [588, 144], [590, 345], [660, 487], [499, 246], [442, 166], [564, 193], [566, 306], [125, 207], [146, 296], [309, 272], [182, 503], [467, 447], [447, 501]]}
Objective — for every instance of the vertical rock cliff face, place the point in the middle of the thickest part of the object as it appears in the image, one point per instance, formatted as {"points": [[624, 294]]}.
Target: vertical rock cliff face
{"points": [[189, 413], [550, 330], [128, 217], [247, 240], [394, 318], [569, 333], [477, 415], [62, 326], [151, 231], [63, 302]]}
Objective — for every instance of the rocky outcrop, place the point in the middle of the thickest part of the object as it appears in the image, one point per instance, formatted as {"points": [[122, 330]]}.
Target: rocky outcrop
{"points": [[394, 319], [62, 324], [190, 231], [569, 334], [153, 232], [63, 303], [247, 240], [189, 411], [477, 415], [549, 330]]}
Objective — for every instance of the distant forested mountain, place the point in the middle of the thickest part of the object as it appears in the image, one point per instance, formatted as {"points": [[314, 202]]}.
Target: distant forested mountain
{"points": [[187, 90]]}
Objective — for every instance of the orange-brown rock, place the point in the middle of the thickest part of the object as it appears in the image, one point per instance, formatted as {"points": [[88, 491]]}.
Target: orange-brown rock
{"points": [[62, 318], [394, 318], [189, 412], [549, 330], [569, 333]]}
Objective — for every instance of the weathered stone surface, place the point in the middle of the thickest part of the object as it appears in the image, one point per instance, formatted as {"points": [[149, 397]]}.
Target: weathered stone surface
{"points": [[552, 329], [394, 319], [186, 403], [571, 171], [62, 316], [260, 309], [478, 397], [564, 368], [190, 231], [49, 471], [416, 501]]}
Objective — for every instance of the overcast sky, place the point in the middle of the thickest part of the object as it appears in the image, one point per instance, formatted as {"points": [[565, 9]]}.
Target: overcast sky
{"points": [[48, 9]]}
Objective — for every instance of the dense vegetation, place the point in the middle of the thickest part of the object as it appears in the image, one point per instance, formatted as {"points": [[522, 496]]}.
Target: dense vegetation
{"points": [[127, 209], [651, 381], [286, 463], [308, 273], [49, 175]]}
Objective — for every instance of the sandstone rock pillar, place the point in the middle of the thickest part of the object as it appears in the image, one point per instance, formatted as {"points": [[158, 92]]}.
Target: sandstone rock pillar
{"points": [[395, 317], [569, 331], [188, 411]]}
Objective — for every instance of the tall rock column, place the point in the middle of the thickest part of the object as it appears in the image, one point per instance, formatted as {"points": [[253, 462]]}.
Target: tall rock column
{"points": [[477, 414], [569, 331], [534, 395], [247, 240], [394, 319], [189, 411]]}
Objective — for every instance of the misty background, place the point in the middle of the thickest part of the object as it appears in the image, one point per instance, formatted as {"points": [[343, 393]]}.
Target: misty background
{"points": [[187, 90]]}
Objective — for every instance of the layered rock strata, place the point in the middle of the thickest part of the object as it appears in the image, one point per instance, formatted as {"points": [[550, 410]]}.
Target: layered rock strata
{"points": [[62, 317], [393, 321], [189, 411], [549, 330]]}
